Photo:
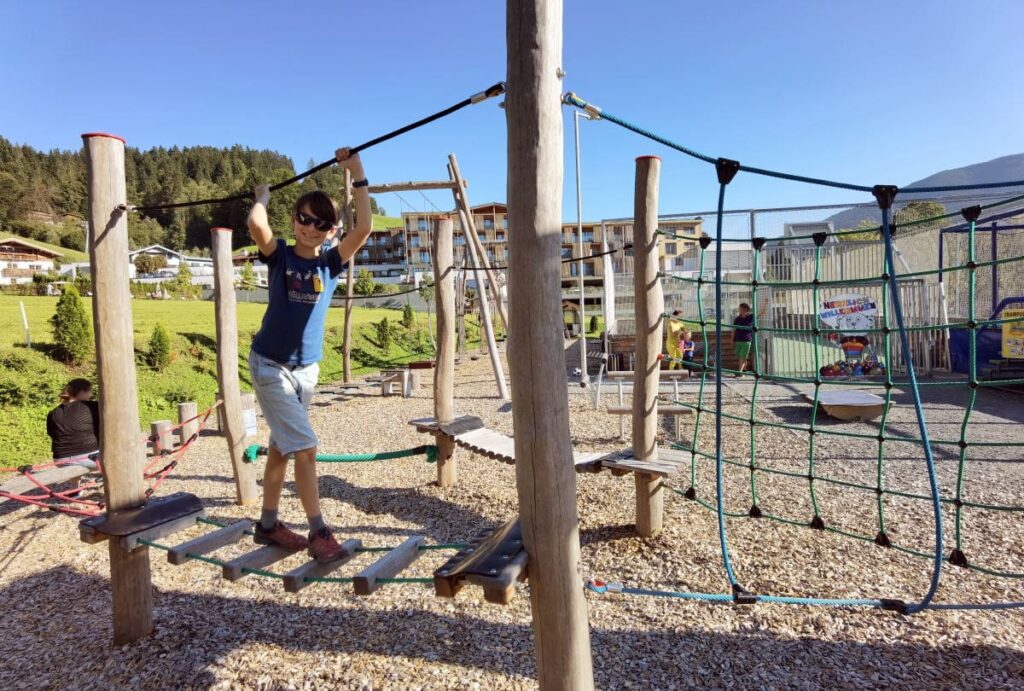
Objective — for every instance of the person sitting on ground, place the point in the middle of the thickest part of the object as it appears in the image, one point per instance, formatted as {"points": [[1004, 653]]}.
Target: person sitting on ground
{"points": [[74, 427], [687, 347], [742, 337], [285, 355], [674, 331]]}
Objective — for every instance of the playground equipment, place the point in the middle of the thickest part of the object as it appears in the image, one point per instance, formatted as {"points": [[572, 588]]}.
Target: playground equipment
{"points": [[888, 281]]}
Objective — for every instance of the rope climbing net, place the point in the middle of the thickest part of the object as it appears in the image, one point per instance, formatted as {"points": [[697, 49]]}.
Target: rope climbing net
{"points": [[888, 357]]}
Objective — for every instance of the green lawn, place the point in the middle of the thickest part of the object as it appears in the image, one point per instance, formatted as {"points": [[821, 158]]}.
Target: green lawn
{"points": [[30, 379]]}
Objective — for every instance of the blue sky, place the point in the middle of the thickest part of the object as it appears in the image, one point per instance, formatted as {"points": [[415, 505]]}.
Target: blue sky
{"points": [[868, 92]]}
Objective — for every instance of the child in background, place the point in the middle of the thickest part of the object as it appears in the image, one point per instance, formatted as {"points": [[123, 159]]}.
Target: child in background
{"points": [[285, 355], [687, 347]]}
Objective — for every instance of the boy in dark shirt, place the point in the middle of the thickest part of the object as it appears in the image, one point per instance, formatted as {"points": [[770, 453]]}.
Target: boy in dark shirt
{"points": [[285, 355], [743, 337]]}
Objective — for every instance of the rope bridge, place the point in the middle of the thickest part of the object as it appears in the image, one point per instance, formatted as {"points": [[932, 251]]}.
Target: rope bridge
{"points": [[895, 343]]}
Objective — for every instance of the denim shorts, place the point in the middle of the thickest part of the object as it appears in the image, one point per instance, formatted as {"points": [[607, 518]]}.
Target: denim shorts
{"points": [[284, 393]]}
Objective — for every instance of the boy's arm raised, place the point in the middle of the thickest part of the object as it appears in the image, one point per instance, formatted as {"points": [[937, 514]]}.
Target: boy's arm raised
{"points": [[356, 238], [259, 225]]}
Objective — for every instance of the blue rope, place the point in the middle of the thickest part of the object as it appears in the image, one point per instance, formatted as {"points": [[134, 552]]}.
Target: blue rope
{"points": [[719, 490], [897, 305]]}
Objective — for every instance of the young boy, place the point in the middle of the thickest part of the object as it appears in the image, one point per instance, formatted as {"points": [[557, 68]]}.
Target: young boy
{"points": [[743, 337], [285, 355]]}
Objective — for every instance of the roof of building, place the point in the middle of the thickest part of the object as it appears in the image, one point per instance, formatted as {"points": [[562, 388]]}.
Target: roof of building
{"points": [[25, 243]]}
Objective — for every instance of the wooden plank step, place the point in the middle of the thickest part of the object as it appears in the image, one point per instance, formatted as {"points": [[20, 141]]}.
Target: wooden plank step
{"points": [[674, 456], [295, 580], [662, 410], [153, 520], [390, 565], [494, 561], [52, 476], [258, 559], [204, 544]]}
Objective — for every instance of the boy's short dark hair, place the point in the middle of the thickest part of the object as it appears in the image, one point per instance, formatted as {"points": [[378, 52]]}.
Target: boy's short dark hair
{"points": [[744, 306], [319, 204]]}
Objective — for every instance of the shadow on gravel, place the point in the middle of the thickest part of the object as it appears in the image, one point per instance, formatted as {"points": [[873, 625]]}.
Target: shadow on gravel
{"points": [[202, 640]]}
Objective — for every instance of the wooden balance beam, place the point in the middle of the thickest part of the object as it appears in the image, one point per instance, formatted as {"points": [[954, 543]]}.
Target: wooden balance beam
{"points": [[849, 405], [52, 476], [469, 433]]}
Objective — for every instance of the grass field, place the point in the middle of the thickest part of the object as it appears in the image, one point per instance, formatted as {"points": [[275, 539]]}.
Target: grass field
{"points": [[30, 379]]}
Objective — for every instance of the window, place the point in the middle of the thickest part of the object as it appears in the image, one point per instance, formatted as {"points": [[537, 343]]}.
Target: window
{"points": [[424, 257], [482, 237], [488, 224], [670, 248], [504, 223], [460, 240], [499, 237], [588, 269], [414, 241], [588, 236], [422, 224], [567, 253]]}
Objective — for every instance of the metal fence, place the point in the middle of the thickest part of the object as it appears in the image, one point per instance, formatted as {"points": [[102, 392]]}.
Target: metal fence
{"points": [[791, 260]]}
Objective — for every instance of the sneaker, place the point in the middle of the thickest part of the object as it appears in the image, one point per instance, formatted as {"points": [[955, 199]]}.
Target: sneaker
{"points": [[323, 547], [279, 535]]}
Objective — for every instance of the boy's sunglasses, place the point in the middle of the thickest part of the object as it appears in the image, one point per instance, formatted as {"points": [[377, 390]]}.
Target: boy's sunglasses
{"points": [[306, 220]]}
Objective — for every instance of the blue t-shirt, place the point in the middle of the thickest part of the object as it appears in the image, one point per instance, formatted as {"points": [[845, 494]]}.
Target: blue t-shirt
{"points": [[300, 290]]}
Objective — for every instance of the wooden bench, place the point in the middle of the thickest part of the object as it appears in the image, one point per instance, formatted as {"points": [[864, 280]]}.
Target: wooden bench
{"points": [[52, 476]]}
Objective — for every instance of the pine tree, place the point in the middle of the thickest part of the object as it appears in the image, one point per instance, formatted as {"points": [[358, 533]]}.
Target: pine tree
{"points": [[71, 332], [408, 318], [159, 355]]}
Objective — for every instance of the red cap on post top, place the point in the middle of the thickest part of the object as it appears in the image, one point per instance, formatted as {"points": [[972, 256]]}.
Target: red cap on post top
{"points": [[103, 134], [640, 158], [226, 230]]}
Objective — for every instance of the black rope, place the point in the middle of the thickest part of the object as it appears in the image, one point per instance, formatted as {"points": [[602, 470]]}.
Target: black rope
{"points": [[495, 90], [564, 261]]}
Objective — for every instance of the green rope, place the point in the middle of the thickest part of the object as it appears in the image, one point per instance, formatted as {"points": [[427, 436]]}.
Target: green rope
{"points": [[430, 451]]}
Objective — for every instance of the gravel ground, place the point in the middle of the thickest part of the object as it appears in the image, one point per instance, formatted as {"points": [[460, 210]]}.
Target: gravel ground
{"points": [[250, 634]]}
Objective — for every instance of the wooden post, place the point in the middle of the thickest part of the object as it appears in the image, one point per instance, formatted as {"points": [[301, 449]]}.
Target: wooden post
{"points": [[123, 454], [187, 411], [161, 435], [485, 315], [469, 228], [649, 305], [444, 370], [545, 473], [246, 491], [350, 280]]}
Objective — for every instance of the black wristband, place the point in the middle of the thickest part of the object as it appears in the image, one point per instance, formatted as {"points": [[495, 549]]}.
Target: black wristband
{"points": [[360, 183]]}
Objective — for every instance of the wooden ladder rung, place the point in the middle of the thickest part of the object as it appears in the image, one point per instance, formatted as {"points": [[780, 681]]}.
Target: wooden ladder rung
{"points": [[390, 565], [204, 544], [295, 580], [264, 556]]}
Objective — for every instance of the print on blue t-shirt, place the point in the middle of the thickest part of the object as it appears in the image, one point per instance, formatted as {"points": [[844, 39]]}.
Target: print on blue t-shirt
{"points": [[300, 292]]}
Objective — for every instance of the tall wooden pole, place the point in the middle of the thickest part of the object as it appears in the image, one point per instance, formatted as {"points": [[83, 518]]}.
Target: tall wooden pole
{"points": [[650, 305], [462, 204], [486, 325], [444, 369], [226, 317], [120, 447], [545, 476], [350, 280]]}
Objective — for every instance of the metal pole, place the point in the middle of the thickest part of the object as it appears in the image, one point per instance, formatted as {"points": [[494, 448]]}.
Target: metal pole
{"points": [[584, 375]]}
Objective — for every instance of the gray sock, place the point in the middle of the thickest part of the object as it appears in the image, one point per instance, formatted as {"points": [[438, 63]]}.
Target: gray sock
{"points": [[316, 523], [268, 519]]}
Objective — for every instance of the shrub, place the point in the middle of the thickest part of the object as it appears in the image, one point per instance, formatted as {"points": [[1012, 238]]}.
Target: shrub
{"points": [[364, 283], [384, 335], [408, 318], [71, 333], [595, 324], [159, 354]]}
